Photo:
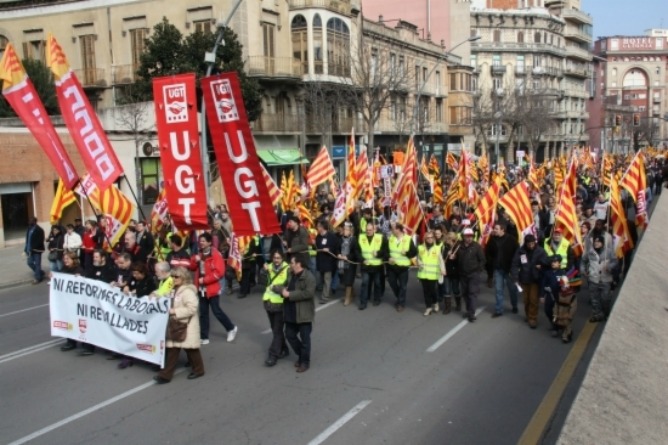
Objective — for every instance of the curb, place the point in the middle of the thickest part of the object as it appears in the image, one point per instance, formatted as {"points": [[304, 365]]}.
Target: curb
{"points": [[13, 284]]}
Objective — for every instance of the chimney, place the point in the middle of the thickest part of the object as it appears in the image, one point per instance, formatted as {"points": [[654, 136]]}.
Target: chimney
{"points": [[380, 18]]}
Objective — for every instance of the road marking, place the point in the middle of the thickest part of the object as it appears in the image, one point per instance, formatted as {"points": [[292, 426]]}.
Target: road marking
{"points": [[86, 412], [23, 310], [318, 309], [338, 424], [536, 427], [29, 350], [452, 332]]}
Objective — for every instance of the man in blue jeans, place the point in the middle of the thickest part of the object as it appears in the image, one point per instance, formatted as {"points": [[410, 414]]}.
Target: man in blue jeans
{"points": [[501, 250], [34, 248]]}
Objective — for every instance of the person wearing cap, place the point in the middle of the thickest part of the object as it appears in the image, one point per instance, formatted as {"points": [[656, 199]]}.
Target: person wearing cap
{"points": [[526, 271], [501, 250], [401, 250], [558, 245], [598, 264], [470, 262]]}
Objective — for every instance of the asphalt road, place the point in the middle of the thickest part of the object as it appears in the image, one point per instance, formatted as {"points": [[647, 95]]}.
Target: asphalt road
{"points": [[376, 377]]}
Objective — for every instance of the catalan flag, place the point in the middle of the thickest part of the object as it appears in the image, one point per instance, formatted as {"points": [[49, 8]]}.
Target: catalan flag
{"points": [[410, 212], [451, 161], [62, 199], [566, 219], [635, 182], [518, 206], [234, 259], [159, 211], [620, 226], [451, 198], [274, 192], [486, 210], [351, 171], [364, 179], [321, 170]]}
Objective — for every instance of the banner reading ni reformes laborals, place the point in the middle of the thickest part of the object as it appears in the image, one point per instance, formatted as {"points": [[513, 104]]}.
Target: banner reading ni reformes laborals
{"points": [[94, 312]]}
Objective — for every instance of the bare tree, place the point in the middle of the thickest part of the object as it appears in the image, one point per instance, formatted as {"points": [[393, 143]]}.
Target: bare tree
{"points": [[535, 115], [325, 102]]}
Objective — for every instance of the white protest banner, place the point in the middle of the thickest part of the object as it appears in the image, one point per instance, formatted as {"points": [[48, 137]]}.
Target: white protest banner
{"points": [[97, 313]]}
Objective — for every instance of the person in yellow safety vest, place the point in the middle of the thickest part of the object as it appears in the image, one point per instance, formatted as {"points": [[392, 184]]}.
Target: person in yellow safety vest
{"points": [[558, 245], [165, 280], [374, 250], [277, 279], [429, 271], [402, 249]]}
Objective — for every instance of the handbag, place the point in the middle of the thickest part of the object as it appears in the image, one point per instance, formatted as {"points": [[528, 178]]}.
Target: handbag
{"points": [[176, 330], [53, 255]]}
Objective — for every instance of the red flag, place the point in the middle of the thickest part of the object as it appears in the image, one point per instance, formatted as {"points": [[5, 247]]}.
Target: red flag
{"points": [[178, 138], [321, 169], [22, 97], [159, 211], [87, 133], [247, 194]]}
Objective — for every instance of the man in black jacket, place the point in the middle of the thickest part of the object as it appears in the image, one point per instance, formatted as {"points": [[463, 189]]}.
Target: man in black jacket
{"points": [[501, 249], [34, 248], [326, 262], [527, 271], [470, 262]]}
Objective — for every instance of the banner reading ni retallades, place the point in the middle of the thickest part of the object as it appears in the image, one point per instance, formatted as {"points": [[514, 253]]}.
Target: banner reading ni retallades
{"points": [[94, 312], [248, 199], [22, 97], [83, 124], [178, 138]]}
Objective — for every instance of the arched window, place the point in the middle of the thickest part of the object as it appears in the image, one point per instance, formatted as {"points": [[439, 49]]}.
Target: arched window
{"points": [[299, 31], [520, 37], [3, 44], [338, 47], [635, 78], [318, 56]]}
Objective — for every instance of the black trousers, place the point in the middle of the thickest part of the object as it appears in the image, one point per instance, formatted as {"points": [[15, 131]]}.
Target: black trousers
{"points": [[299, 337], [278, 344]]}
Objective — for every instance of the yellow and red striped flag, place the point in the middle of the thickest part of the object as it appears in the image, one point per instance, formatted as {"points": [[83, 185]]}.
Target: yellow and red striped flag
{"points": [[566, 219], [451, 161], [321, 170], [485, 212], [351, 173], [410, 212], [518, 206], [62, 199], [451, 198], [620, 226], [635, 182], [274, 192], [364, 178]]}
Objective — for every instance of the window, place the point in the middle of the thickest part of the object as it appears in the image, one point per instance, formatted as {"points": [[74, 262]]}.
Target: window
{"points": [[203, 26], [437, 81], [519, 64], [496, 60], [536, 38], [537, 61], [151, 178], [318, 56], [137, 46], [3, 44], [88, 71], [417, 77], [497, 84], [268, 32], [393, 65], [453, 82], [338, 47], [474, 61], [520, 37], [402, 67], [300, 41], [34, 50], [497, 35], [439, 110], [373, 65]]}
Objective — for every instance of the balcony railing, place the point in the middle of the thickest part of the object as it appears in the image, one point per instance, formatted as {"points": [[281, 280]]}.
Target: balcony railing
{"points": [[279, 67], [575, 51], [287, 123], [339, 6], [517, 47], [546, 71], [341, 125], [498, 70], [91, 77], [574, 14], [577, 71], [123, 74], [576, 34]]}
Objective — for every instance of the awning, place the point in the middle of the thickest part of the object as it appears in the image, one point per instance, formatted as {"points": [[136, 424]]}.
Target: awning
{"points": [[275, 157]]}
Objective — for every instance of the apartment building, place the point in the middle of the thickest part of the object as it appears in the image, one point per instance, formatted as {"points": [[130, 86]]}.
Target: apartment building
{"points": [[629, 108], [529, 49]]}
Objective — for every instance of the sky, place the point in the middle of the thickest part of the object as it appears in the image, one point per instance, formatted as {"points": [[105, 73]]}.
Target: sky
{"points": [[626, 17]]}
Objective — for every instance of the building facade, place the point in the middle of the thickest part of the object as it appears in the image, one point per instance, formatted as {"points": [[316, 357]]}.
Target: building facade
{"points": [[629, 108], [309, 57], [532, 70]]}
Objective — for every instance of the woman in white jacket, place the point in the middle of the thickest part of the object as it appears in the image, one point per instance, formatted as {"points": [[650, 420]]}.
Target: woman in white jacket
{"points": [[185, 309], [72, 240]]}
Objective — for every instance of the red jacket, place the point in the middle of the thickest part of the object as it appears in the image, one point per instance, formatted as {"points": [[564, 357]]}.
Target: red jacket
{"points": [[214, 270]]}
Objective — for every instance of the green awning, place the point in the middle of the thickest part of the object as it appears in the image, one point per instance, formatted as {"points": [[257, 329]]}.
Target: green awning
{"points": [[275, 157]]}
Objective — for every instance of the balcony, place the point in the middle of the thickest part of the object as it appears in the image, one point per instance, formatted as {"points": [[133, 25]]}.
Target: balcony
{"points": [[277, 123], [514, 47], [579, 93], [91, 77], [498, 70], [656, 99], [274, 67], [576, 71], [122, 74], [574, 33], [339, 6], [573, 15], [521, 70], [578, 53], [342, 125]]}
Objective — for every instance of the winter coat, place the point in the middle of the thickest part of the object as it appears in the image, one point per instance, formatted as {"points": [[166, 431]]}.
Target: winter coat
{"points": [[327, 261], [302, 298], [501, 249], [34, 240], [55, 243], [470, 259], [214, 270], [524, 268], [185, 304], [599, 266]]}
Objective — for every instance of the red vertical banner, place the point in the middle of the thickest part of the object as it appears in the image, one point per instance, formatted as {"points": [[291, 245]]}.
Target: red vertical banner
{"points": [[247, 195], [178, 138], [22, 97], [83, 124]]}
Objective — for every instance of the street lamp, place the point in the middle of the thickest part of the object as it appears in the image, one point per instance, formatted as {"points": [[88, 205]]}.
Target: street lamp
{"points": [[210, 60], [416, 111], [497, 116]]}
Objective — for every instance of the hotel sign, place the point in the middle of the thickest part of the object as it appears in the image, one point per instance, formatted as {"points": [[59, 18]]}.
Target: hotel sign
{"points": [[636, 43]]}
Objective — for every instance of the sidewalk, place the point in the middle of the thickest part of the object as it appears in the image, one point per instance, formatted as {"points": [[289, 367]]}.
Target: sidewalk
{"points": [[14, 270]]}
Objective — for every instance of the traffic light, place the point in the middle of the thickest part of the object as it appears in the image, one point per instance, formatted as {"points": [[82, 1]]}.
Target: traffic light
{"points": [[636, 119], [618, 120]]}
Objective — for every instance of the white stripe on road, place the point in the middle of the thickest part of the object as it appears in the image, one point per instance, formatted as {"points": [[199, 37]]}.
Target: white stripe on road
{"points": [[29, 350], [319, 308], [23, 310], [85, 412], [339, 423], [452, 332]]}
